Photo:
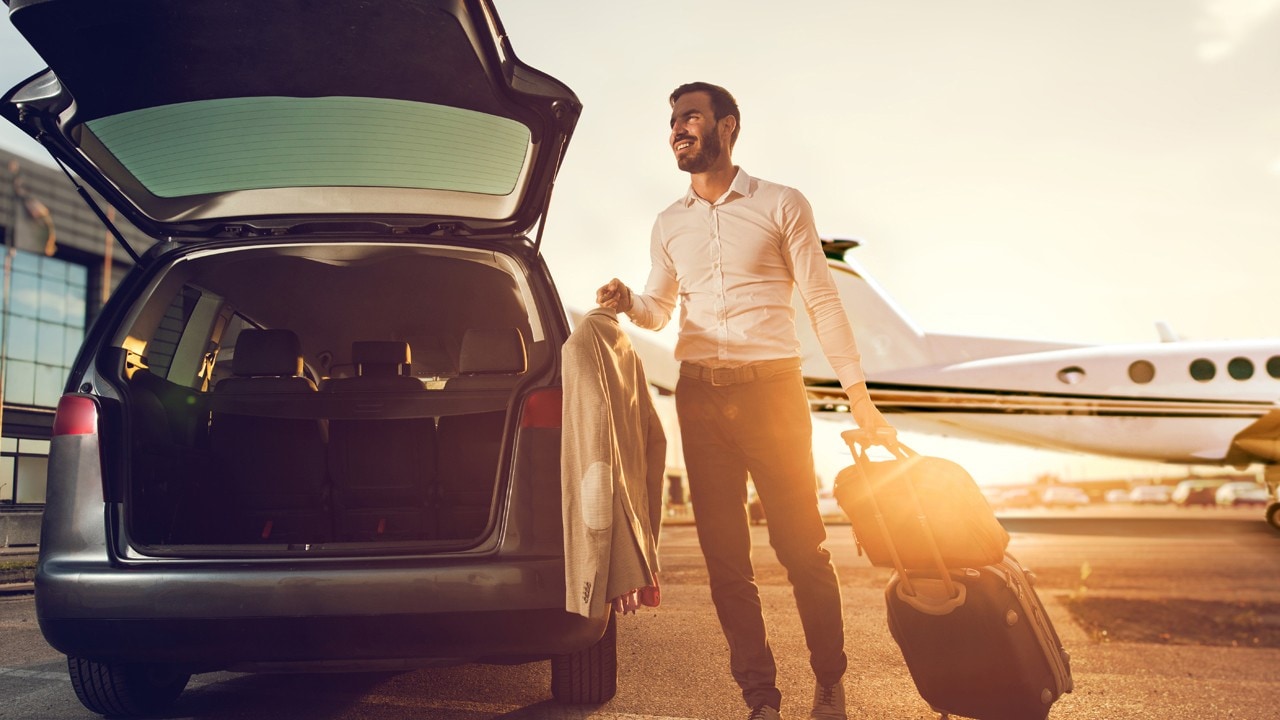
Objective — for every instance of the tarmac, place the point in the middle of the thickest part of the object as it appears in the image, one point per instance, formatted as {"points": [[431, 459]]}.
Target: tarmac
{"points": [[1114, 680]]}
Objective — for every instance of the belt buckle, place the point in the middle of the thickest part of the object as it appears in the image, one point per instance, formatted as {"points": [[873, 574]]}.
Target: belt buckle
{"points": [[728, 374]]}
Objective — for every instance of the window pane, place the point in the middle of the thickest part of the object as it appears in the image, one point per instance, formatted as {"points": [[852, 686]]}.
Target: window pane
{"points": [[49, 382], [71, 339], [77, 276], [19, 382], [6, 479], [28, 446], [1142, 371], [1240, 368], [53, 300], [26, 262], [9, 444], [22, 339], [1203, 370], [24, 295], [227, 144], [75, 308], [49, 341], [33, 475]]}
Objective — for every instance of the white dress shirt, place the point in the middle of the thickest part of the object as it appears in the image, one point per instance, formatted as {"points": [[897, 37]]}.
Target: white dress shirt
{"points": [[733, 264]]}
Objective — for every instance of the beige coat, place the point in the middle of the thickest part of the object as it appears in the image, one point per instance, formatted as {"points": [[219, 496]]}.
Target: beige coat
{"points": [[613, 455]]}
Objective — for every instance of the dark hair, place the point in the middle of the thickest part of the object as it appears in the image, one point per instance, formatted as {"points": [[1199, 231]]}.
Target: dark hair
{"points": [[722, 103]]}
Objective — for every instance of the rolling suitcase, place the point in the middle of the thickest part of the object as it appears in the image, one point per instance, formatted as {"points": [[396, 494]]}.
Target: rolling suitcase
{"points": [[976, 640]]}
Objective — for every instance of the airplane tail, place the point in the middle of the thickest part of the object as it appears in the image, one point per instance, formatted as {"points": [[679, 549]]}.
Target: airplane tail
{"points": [[887, 339]]}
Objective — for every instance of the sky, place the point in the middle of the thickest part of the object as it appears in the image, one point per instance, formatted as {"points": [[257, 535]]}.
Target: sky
{"points": [[1070, 170]]}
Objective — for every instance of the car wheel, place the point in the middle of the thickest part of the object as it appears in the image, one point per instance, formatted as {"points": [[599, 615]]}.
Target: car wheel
{"points": [[590, 676], [1273, 515], [122, 690]]}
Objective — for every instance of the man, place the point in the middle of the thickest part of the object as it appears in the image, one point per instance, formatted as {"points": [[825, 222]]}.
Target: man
{"points": [[732, 250]]}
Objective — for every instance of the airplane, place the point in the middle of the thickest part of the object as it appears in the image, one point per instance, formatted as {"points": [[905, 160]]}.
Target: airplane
{"points": [[1174, 401]]}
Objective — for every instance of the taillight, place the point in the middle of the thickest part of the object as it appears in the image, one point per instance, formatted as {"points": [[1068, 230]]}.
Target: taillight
{"points": [[542, 409], [77, 415]]}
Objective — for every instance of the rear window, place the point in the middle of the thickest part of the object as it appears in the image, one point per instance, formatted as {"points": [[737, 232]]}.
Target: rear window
{"points": [[255, 143]]}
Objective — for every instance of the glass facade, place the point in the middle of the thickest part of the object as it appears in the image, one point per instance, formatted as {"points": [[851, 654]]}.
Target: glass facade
{"points": [[23, 466], [43, 325]]}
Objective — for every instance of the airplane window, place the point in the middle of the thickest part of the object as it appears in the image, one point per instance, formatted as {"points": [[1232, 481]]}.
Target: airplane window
{"points": [[1240, 368], [1273, 366], [1142, 372], [1203, 370], [1071, 375]]}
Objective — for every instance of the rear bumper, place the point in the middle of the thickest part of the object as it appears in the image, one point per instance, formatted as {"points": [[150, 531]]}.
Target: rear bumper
{"points": [[346, 643], [215, 617]]}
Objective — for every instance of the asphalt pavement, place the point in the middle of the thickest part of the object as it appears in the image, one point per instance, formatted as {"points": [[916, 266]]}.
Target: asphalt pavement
{"points": [[673, 660]]}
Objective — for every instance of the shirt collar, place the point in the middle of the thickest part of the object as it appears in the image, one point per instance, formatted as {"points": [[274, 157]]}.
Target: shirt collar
{"points": [[741, 185]]}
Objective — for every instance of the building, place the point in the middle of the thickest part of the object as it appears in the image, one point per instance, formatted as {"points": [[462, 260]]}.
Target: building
{"points": [[60, 265]]}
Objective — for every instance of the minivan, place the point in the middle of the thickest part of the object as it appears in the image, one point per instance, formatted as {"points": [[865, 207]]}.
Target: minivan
{"points": [[317, 426]]}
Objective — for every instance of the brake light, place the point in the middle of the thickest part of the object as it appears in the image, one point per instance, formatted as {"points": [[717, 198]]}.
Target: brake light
{"points": [[542, 409], [76, 415]]}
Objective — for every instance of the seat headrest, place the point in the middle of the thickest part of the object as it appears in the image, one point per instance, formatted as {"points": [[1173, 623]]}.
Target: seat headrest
{"points": [[380, 357], [267, 353], [492, 351]]}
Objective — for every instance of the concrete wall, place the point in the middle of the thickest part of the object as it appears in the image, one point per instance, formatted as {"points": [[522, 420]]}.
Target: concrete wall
{"points": [[20, 528]]}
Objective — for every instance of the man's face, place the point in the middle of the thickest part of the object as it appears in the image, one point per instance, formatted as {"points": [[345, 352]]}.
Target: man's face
{"points": [[695, 134]]}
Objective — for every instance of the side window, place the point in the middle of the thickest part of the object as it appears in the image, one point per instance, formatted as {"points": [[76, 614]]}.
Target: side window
{"points": [[227, 348], [177, 339], [164, 344]]}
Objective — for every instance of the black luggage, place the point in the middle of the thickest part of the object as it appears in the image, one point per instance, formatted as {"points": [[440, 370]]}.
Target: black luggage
{"points": [[976, 640], [984, 650]]}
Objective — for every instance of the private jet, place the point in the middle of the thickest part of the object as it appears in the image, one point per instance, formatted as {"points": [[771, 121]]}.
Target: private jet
{"points": [[1184, 402]]}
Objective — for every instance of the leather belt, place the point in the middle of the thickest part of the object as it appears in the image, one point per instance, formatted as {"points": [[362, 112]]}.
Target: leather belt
{"points": [[741, 374]]}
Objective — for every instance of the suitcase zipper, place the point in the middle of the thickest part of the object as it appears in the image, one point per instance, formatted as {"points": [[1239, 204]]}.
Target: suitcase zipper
{"points": [[1037, 616]]}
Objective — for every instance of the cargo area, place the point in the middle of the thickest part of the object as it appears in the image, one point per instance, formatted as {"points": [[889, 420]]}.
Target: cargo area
{"points": [[347, 397]]}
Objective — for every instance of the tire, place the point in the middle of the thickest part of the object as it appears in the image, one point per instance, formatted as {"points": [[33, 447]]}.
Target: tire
{"points": [[1273, 515], [122, 690], [590, 676]]}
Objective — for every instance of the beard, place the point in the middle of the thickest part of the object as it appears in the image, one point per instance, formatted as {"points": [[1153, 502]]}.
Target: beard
{"points": [[704, 156]]}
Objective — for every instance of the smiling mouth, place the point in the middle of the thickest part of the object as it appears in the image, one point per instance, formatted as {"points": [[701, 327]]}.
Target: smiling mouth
{"points": [[682, 145]]}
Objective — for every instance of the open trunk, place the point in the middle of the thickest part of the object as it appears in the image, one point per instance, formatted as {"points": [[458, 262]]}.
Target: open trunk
{"points": [[328, 398]]}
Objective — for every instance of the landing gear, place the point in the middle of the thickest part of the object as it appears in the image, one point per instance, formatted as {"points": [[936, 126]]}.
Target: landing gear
{"points": [[1271, 477]]}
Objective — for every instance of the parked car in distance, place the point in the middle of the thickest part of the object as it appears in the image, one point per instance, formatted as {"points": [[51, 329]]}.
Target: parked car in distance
{"points": [[1150, 495], [1241, 494], [318, 425], [1117, 496], [1067, 496], [1189, 493]]}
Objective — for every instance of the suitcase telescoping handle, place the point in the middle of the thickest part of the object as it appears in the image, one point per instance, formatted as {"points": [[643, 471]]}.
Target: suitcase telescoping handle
{"points": [[859, 441]]}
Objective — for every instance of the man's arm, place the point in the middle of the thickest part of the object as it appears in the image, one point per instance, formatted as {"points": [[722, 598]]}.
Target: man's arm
{"points": [[803, 250]]}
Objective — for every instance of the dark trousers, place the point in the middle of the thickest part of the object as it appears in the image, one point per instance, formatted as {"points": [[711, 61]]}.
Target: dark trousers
{"points": [[761, 427]]}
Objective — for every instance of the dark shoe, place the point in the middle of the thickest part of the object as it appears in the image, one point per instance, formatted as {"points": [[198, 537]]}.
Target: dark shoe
{"points": [[764, 712], [828, 702]]}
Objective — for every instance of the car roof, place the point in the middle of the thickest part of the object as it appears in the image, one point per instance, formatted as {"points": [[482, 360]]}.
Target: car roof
{"points": [[192, 116]]}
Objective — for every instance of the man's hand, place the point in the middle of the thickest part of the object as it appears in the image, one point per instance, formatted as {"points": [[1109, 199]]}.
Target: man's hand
{"points": [[614, 295], [870, 422]]}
